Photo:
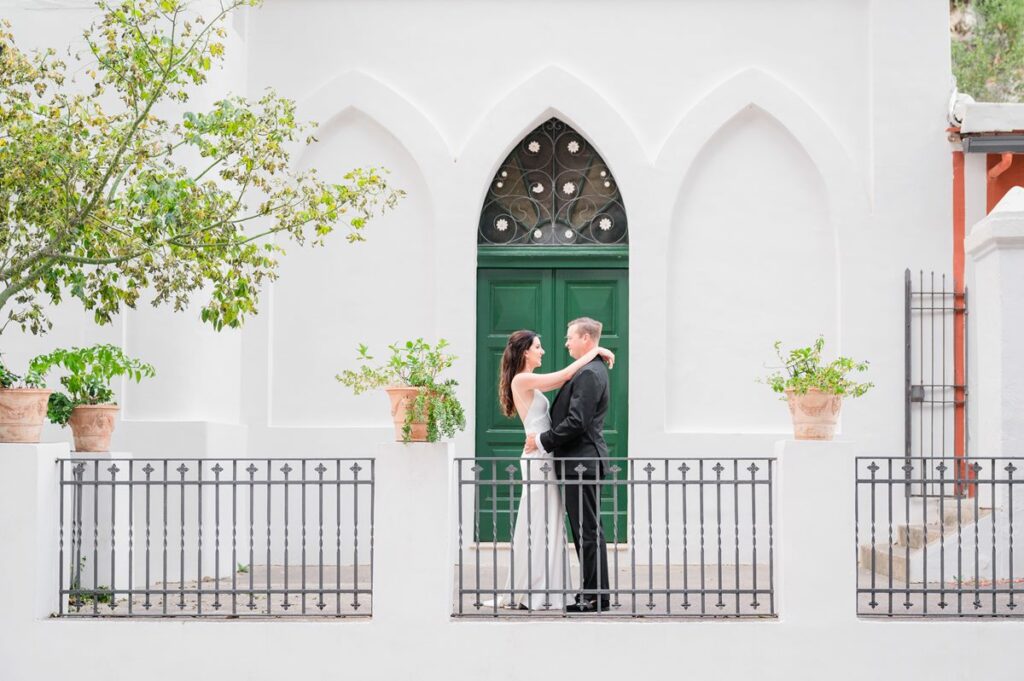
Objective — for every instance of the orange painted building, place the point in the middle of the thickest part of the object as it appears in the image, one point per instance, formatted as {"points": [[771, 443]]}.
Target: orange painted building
{"points": [[987, 147]]}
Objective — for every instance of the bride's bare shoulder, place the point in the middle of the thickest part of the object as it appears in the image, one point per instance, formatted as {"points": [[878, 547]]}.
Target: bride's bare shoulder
{"points": [[524, 381], [520, 385], [522, 389]]}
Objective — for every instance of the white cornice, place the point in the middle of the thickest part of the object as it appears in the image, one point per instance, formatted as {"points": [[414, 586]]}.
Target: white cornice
{"points": [[1002, 229]]}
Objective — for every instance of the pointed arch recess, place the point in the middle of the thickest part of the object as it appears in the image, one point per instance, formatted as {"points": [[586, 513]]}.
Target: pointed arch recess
{"points": [[552, 92], [386, 107], [846, 198], [753, 87]]}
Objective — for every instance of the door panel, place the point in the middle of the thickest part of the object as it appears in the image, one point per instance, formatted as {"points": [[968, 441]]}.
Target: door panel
{"points": [[544, 300], [507, 300]]}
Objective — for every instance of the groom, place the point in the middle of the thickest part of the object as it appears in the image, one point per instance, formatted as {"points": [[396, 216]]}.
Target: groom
{"points": [[575, 439]]}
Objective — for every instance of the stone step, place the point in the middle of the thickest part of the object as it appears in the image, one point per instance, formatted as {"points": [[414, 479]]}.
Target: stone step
{"points": [[949, 511], [899, 559], [915, 534]]}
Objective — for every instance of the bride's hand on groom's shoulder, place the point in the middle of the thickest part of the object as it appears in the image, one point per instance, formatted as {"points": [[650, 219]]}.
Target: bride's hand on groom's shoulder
{"points": [[607, 355]]}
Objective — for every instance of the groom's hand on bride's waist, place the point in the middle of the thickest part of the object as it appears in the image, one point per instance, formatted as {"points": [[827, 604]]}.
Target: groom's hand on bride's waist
{"points": [[531, 442]]}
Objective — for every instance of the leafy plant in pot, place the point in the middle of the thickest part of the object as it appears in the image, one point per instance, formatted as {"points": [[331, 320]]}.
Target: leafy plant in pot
{"points": [[424, 408], [815, 390], [23, 400], [88, 405]]}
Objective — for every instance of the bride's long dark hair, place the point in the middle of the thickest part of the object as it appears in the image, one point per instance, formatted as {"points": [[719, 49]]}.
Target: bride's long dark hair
{"points": [[511, 364]]}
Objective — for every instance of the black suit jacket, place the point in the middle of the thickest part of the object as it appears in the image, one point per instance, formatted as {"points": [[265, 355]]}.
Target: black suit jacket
{"points": [[577, 422]]}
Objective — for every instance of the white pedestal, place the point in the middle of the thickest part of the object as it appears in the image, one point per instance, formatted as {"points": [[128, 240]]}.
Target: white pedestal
{"points": [[816, 561], [412, 575], [29, 509], [997, 306]]}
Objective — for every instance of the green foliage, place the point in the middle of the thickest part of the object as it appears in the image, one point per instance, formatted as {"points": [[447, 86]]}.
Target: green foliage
{"points": [[988, 48], [8, 379], [59, 408], [89, 373], [415, 364], [100, 594], [97, 202], [242, 568], [803, 369], [31, 378], [440, 408]]}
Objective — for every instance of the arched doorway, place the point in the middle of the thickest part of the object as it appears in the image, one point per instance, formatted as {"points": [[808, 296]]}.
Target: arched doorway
{"points": [[552, 246]]}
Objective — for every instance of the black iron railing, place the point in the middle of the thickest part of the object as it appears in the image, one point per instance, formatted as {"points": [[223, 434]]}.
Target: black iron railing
{"points": [[948, 555], [227, 537], [699, 539]]}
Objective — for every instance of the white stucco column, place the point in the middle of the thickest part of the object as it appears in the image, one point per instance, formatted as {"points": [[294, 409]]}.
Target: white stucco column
{"points": [[29, 533], [816, 561], [412, 568], [996, 246]]}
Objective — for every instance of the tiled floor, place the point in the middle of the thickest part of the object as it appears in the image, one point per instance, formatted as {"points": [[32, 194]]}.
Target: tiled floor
{"points": [[637, 590], [256, 603]]}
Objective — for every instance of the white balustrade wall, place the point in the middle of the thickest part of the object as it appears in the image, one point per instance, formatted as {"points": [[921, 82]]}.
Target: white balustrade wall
{"points": [[817, 630]]}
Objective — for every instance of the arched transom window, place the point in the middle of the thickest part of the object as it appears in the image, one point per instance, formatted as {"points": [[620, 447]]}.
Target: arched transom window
{"points": [[554, 189]]}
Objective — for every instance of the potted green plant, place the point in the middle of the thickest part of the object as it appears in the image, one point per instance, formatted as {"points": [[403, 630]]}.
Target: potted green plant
{"points": [[815, 390], [424, 408], [88, 404], [23, 400]]}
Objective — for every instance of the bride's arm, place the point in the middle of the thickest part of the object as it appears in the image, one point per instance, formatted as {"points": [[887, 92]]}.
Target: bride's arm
{"points": [[556, 379]]}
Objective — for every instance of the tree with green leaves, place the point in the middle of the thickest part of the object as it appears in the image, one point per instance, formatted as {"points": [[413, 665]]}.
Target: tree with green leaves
{"points": [[102, 197], [988, 48]]}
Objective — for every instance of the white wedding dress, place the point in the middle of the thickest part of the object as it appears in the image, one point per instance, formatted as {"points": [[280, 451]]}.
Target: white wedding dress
{"points": [[539, 555]]}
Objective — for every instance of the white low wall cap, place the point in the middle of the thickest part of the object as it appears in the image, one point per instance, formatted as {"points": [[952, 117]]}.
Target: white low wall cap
{"points": [[1002, 228], [979, 117]]}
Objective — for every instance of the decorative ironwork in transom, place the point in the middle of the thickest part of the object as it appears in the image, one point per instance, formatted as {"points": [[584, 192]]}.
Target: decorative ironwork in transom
{"points": [[554, 189]]}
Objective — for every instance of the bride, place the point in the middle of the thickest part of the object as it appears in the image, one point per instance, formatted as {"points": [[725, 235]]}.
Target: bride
{"points": [[539, 548]]}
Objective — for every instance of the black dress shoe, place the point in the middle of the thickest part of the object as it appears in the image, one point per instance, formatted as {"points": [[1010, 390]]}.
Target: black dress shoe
{"points": [[586, 606]]}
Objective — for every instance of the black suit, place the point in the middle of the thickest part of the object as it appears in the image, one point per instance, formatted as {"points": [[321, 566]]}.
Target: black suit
{"points": [[576, 439]]}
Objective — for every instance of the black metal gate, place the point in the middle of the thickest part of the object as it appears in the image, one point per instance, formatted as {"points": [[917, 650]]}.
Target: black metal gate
{"points": [[935, 383]]}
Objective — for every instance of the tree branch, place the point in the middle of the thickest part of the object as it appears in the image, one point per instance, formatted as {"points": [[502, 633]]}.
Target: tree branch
{"points": [[22, 283], [210, 167], [157, 93], [10, 271], [114, 260]]}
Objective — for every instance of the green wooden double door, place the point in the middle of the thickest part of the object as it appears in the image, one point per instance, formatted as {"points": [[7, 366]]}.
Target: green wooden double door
{"points": [[544, 300]]}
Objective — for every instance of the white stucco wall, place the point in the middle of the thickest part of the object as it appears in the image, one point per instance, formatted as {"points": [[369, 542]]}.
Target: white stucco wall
{"points": [[764, 151], [830, 176], [411, 634], [781, 166]]}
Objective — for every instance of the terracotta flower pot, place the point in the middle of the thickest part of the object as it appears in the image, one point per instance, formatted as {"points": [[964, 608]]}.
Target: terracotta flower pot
{"points": [[814, 414], [22, 413], [401, 400], [92, 425]]}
